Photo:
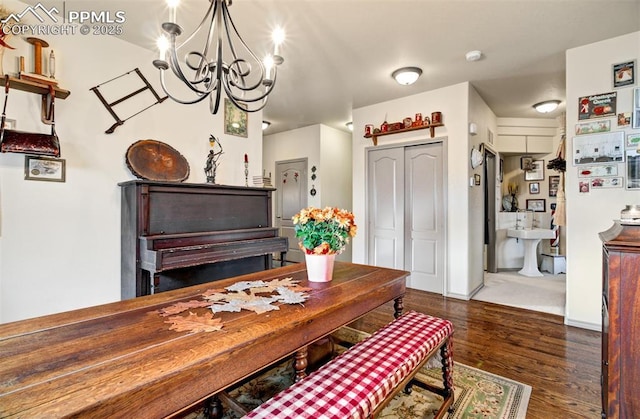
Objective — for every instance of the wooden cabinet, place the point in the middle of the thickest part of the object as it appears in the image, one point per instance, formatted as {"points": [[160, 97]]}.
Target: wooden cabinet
{"points": [[535, 144], [621, 321]]}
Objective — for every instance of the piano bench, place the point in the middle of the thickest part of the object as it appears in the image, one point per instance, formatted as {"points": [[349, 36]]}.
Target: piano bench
{"points": [[362, 380]]}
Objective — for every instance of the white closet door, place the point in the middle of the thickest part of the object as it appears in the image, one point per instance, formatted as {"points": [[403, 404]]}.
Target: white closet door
{"points": [[406, 212]]}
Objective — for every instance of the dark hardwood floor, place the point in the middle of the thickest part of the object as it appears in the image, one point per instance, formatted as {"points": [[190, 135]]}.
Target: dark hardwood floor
{"points": [[560, 363]]}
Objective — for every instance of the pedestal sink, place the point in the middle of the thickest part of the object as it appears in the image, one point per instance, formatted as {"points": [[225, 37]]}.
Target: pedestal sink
{"points": [[531, 239]]}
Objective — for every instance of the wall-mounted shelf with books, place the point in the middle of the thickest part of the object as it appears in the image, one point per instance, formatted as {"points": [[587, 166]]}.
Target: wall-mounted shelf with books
{"points": [[432, 127], [34, 87]]}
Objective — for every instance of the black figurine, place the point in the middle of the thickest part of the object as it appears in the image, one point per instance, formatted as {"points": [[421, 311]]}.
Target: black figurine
{"points": [[212, 160]]}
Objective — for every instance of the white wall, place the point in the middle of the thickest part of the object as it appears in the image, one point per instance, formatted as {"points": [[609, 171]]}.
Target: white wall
{"points": [[485, 119], [326, 148], [589, 72], [60, 242], [453, 102]]}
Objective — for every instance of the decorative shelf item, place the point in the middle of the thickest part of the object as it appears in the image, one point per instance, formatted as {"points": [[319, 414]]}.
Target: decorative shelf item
{"points": [[432, 127], [35, 87]]}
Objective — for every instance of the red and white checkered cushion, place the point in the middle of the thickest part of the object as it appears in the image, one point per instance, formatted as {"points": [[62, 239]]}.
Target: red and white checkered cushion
{"points": [[356, 382]]}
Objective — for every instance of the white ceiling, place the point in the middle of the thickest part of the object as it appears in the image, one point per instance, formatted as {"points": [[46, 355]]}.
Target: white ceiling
{"points": [[339, 54]]}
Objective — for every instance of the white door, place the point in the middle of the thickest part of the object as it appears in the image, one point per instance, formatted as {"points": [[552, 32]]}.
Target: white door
{"points": [[406, 214], [291, 193], [424, 217]]}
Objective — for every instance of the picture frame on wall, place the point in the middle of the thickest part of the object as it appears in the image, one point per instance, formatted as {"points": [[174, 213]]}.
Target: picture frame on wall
{"points": [[536, 205], [534, 188], [44, 168], [599, 148], [633, 170], [554, 184], [537, 173], [624, 74], [235, 120]]}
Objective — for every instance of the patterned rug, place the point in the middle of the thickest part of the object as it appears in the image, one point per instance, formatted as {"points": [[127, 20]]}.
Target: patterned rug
{"points": [[478, 394]]}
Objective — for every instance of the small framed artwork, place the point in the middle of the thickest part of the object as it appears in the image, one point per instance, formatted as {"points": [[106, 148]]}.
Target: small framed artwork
{"points": [[633, 170], [554, 184], [633, 140], [624, 74], [536, 205], [583, 186], [534, 188], [593, 127], [476, 179], [526, 163], [624, 119], [601, 105], [537, 173], [606, 182], [44, 168], [235, 120]]}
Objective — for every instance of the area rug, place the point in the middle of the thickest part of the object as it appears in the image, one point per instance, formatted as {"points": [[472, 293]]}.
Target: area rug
{"points": [[478, 394]]}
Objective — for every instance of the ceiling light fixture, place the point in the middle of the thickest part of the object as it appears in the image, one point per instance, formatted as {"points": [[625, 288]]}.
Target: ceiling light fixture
{"points": [[350, 126], [546, 106], [246, 80], [407, 75], [265, 125], [473, 55]]}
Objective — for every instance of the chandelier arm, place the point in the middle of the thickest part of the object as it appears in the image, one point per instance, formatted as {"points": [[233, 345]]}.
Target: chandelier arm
{"points": [[176, 68], [213, 5], [268, 90], [176, 99]]}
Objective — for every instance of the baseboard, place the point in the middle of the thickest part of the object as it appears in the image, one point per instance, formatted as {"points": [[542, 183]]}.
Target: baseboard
{"points": [[458, 296], [583, 325]]}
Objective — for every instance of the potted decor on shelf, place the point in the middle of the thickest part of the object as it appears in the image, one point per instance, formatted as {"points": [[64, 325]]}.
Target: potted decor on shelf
{"points": [[323, 233]]}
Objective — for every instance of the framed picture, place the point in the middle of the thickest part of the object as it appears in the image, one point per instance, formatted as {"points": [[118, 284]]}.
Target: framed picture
{"points": [[593, 127], [534, 188], [44, 168], [526, 163], [537, 173], [536, 205], [606, 182], [633, 170], [601, 105], [633, 140], [554, 184], [599, 148], [635, 115], [598, 170], [624, 74], [583, 186], [624, 119], [235, 120]]}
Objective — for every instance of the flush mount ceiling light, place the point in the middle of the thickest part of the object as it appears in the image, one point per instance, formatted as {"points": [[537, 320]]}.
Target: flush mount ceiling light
{"points": [[349, 125], [265, 125], [224, 63], [473, 55], [546, 106], [406, 75]]}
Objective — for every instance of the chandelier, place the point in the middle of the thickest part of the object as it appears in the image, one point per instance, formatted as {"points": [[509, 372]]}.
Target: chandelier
{"points": [[225, 61]]}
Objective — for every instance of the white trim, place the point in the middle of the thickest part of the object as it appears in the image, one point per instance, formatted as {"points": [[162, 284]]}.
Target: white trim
{"points": [[583, 325]]}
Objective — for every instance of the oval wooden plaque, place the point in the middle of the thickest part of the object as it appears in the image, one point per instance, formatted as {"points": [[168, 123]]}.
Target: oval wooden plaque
{"points": [[155, 160]]}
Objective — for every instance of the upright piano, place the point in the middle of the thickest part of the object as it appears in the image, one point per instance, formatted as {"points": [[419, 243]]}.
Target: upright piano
{"points": [[179, 234]]}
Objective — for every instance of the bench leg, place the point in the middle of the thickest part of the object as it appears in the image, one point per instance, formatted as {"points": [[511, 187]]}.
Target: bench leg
{"points": [[300, 364], [398, 305], [213, 408]]}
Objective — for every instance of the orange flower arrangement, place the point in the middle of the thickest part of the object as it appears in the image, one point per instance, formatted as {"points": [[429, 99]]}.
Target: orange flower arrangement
{"points": [[324, 231], [4, 13]]}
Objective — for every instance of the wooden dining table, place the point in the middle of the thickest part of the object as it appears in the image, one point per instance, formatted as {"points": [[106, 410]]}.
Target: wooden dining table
{"points": [[122, 360]]}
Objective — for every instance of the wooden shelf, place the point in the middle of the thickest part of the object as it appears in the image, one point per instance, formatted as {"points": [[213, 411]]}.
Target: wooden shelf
{"points": [[33, 87], [432, 128]]}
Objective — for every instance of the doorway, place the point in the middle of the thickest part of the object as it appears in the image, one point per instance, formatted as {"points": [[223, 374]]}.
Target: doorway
{"points": [[490, 185], [291, 197], [406, 205]]}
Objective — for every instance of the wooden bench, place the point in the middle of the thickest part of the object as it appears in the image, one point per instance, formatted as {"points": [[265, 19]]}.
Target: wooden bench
{"points": [[362, 380]]}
